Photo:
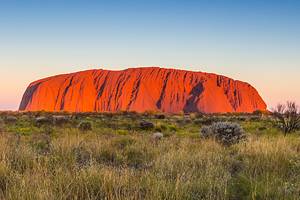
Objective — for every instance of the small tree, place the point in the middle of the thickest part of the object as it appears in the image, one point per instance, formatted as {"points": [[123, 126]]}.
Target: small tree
{"points": [[287, 116]]}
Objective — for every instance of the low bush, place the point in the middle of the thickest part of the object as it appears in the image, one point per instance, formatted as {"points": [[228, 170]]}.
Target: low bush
{"points": [[145, 125], [157, 136], [172, 128], [60, 119], [122, 132], [39, 121], [160, 127], [160, 116], [226, 133], [11, 119], [85, 126]]}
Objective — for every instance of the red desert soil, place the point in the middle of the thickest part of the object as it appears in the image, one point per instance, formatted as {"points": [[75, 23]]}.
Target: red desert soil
{"points": [[141, 89]]}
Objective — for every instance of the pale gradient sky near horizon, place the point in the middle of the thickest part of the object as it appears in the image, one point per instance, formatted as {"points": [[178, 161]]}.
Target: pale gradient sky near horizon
{"points": [[255, 41]]}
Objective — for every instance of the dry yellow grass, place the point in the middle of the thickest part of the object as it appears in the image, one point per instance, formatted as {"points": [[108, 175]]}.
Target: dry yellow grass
{"points": [[92, 166]]}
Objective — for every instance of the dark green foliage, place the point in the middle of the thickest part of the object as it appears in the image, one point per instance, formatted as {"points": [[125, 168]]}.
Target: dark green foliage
{"points": [[160, 116], [262, 128], [145, 125], [166, 127]]}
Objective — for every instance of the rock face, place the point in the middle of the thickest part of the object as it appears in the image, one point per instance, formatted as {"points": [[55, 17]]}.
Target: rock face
{"points": [[141, 89]]}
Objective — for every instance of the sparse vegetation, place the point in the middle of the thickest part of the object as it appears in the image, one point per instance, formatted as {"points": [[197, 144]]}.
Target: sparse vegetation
{"points": [[288, 117], [117, 159], [85, 126]]}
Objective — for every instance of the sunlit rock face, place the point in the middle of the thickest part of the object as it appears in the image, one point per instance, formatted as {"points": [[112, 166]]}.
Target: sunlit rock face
{"points": [[141, 89]]}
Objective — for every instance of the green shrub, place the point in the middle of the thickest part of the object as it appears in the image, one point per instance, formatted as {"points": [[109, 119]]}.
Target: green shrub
{"points": [[85, 126], [157, 136], [161, 127], [172, 127], [122, 132]]}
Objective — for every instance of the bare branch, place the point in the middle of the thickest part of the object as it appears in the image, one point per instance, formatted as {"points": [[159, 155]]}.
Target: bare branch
{"points": [[288, 116]]}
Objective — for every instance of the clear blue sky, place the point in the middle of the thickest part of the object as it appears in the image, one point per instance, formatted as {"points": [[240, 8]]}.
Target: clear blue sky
{"points": [[255, 41]]}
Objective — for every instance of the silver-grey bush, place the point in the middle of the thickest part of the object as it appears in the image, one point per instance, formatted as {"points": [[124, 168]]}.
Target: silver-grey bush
{"points": [[227, 133]]}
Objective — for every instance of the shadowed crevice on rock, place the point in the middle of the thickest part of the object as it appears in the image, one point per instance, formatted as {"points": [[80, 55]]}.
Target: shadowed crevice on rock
{"points": [[162, 94], [28, 95], [191, 103], [63, 99], [134, 92]]}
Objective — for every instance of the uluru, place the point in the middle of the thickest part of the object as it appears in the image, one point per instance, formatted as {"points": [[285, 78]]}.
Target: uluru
{"points": [[141, 89]]}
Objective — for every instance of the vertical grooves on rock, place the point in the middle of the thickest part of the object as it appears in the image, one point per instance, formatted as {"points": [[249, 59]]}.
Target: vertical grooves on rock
{"points": [[102, 88], [134, 92], [62, 104], [120, 84], [162, 94], [141, 89]]}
